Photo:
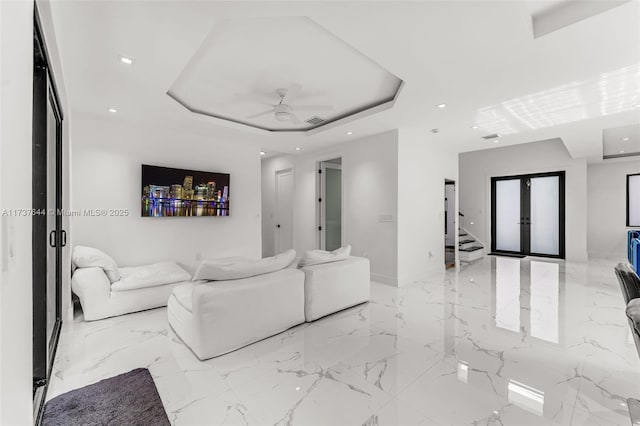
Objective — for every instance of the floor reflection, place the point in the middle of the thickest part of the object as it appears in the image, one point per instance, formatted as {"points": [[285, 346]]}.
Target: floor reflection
{"points": [[545, 297], [526, 397], [507, 290], [527, 297]]}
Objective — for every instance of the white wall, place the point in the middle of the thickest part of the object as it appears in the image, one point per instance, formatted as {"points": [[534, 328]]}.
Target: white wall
{"points": [[107, 158], [477, 168], [607, 204], [16, 70], [370, 187], [422, 171]]}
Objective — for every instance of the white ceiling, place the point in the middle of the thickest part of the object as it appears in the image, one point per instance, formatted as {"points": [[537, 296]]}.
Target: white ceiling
{"points": [[236, 72], [472, 55], [544, 6], [621, 141]]}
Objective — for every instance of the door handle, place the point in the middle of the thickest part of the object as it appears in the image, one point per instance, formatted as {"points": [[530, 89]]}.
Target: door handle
{"points": [[63, 236], [52, 238]]}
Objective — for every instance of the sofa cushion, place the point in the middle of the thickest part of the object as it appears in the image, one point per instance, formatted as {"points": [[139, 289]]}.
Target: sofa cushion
{"points": [[89, 257], [233, 269], [184, 295], [316, 257], [136, 277]]}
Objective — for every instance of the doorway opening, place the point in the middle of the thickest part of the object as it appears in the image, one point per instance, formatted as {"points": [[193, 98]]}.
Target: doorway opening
{"points": [[330, 204], [284, 211], [449, 223], [528, 215]]}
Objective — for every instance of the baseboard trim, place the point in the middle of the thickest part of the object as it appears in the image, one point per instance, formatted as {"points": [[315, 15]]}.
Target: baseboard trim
{"points": [[384, 279]]}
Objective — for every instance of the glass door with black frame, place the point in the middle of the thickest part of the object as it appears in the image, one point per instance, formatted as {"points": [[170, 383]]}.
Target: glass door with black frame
{"points": [[48, 238], [527, 214]]}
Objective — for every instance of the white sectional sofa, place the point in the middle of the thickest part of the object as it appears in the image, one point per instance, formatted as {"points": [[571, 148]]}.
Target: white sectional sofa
{"points": [[217, 317], [100, 300], [332, 287]]}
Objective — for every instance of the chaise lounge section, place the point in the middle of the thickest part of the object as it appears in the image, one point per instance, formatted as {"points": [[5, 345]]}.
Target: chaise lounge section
{"points": [[105, 290]]}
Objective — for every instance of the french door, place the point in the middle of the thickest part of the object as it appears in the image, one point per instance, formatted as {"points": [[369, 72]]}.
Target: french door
{"points": [[48, 237], [527, 214]]}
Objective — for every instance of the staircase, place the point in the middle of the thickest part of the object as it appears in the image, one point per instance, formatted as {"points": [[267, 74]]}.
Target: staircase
{"points": [[469, 250]]}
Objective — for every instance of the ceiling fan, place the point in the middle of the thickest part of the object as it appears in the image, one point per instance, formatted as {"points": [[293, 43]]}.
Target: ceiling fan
{"points": [[284, 110]]}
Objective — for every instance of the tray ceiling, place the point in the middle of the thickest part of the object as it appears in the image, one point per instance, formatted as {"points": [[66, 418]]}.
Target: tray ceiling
{"points": [[245, 66]]}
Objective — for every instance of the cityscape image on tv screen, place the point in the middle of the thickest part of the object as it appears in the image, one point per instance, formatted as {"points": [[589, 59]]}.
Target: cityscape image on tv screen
{"points": [[168, 192]]}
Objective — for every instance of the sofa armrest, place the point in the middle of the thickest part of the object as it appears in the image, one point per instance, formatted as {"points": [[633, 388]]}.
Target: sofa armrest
{"points": [[91, 285]]}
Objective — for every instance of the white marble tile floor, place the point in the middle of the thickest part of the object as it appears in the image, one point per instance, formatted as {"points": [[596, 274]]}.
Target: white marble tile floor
{"points": [[501, 342]]}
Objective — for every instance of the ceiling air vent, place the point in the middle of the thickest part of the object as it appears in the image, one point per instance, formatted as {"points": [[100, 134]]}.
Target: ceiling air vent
{"points": [[315, 120], [492, 136]]}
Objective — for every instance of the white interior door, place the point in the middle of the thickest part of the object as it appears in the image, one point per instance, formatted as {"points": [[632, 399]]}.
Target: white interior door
{"points": [[284, 210]]}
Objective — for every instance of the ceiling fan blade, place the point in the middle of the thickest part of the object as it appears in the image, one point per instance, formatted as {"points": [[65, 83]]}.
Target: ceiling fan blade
{"points": [[294, 118], [260, 113], [312, 107], [292, 93]]}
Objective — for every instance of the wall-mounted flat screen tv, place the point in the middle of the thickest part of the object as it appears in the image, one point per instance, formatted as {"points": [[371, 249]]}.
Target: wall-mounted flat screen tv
{"points": [[168, 192]]}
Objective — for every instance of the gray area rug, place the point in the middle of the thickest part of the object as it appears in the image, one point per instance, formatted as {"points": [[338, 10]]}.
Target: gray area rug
{"points": [[128, 399]]}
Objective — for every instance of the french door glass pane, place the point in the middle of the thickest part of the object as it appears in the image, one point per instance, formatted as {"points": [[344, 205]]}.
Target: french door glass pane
{"points": [[508, 215], [333, 208], [52, 287], [545, 215]]}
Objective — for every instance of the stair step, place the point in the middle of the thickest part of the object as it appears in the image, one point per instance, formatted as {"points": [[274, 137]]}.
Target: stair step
{"points": [[466, 241], [462, 234], [469, 249]]}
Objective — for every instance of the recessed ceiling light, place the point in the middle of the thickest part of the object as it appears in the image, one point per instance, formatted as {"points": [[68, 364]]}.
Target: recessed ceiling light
{"points": [[435, 130], [621, 152], [636, 106], [625, 139], [475, 127], [496, 141], [441, 105], [113, 110], [263, 153], [298, 149], [125, 60], [349, 133]]}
